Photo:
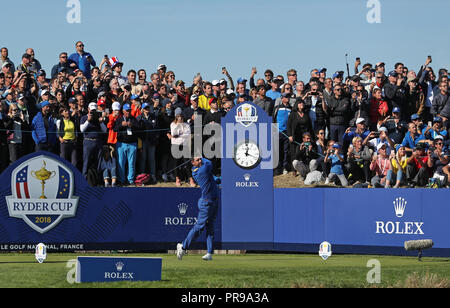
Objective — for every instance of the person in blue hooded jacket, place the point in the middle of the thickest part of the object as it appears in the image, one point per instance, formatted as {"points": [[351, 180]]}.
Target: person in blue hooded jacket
{"points": [[207, 206], [43, 128]]}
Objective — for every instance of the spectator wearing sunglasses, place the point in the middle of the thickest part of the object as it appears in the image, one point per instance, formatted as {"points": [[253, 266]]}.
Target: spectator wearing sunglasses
{"points": [[83, 60]]}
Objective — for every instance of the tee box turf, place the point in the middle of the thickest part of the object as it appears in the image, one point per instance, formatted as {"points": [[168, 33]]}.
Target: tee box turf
{"points": [[113, 269]]}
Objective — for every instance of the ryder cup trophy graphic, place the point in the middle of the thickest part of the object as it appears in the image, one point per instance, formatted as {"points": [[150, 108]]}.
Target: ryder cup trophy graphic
{"points": [[42, 190], [43, 175]]}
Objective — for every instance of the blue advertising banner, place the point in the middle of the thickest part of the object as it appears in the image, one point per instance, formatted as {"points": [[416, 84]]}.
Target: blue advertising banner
{"points": [[361, 220], [45, 199], [110, 269]]}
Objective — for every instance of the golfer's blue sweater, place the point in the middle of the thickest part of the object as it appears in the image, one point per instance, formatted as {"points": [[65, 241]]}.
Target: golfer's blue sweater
{"points": [[205, 179]]}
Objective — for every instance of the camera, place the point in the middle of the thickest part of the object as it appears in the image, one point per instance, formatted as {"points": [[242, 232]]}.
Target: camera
{"points": [[95, 115]]}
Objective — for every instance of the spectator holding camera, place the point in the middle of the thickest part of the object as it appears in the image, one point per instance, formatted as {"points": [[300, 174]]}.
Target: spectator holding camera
{"points": [[16, 125], [375, 138], [334, 156], [399, 162], [360, 131], [436, 129], [414, 99], [314, 104], [358, 161], [92, 126], [360, 105], [396, 127], [439, 159], [305, 156], [338, 110]]}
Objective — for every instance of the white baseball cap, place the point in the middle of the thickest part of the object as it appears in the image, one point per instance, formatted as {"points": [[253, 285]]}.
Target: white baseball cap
{"points": [[92, 106], [360, 120], [116, 106]]}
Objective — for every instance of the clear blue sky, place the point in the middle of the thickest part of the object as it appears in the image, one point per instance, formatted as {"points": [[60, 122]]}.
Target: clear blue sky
{"points": [[191, 36]]}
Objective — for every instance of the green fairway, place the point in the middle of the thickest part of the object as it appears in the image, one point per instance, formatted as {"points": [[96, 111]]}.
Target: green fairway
{"points": [[240, 271]]}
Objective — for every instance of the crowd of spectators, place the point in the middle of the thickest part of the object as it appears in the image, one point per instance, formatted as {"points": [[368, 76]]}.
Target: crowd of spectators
{"points": [[375, 128]]}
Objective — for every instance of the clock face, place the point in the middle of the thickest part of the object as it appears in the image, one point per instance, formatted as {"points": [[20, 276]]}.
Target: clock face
{"points": [[247, 155]]}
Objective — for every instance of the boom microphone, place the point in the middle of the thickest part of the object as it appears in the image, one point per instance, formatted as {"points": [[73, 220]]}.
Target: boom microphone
{"points": [[418, 245]]}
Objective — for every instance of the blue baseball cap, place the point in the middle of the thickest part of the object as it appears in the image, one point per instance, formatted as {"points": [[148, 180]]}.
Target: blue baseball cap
{"points": [[241, 80], [392, 74], [336, 146], [126, 107], [437, 120], [44, 103], [134, 96], [145, 105], [396, 110], [322, 70], [398, 146], [415, 116]]}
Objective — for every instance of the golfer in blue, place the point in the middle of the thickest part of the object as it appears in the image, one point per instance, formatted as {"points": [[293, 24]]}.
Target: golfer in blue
{"points": [[207, 205]]}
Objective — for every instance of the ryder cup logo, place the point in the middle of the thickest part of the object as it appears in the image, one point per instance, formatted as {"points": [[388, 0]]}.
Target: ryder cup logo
{"points": [[42, 190], [246, 114]]}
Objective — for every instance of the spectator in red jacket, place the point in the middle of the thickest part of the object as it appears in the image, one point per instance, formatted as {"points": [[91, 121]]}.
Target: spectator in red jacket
{"points": [[378, 108]]}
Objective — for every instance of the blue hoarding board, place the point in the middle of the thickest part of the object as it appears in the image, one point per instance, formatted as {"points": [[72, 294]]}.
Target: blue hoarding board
{"points": [[88, 217]]}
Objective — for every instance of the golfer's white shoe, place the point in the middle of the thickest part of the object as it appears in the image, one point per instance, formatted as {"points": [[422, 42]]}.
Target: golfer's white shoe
{"points": [[180, 251], [207, 257]]}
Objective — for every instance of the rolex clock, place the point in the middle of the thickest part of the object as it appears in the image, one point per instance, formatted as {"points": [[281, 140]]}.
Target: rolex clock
{"points": [[247, 154]]}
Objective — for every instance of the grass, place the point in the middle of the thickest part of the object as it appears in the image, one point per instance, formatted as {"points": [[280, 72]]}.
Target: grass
{"points": [[240, 271]]}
